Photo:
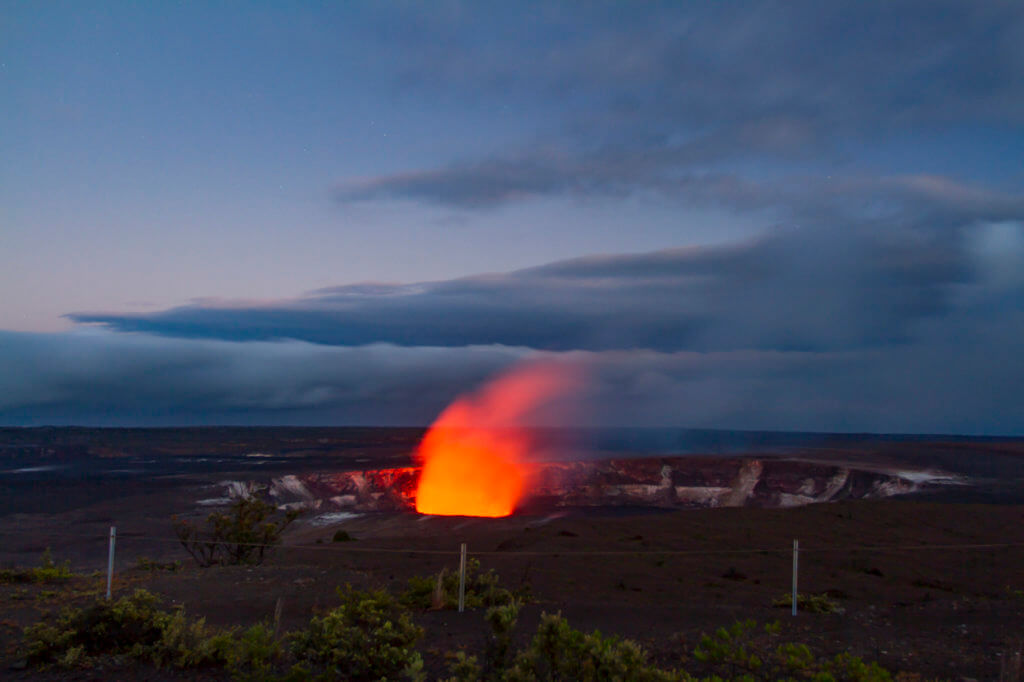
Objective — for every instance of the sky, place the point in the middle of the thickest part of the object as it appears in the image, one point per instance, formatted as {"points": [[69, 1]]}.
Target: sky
{"points": [[786, 216]]}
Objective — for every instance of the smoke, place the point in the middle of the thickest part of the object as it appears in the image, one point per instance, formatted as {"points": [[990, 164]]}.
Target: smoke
{"points": [[477, 455]]}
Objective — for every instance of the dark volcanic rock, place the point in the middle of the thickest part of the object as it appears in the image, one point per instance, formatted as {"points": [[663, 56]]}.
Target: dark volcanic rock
{"points": [[660, 482]]}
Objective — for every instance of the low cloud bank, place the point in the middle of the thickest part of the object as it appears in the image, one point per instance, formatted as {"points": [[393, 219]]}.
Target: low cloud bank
{"points": [[844, 286], [102, 378]]}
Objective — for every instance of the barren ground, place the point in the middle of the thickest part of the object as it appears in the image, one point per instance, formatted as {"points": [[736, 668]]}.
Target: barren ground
{"points": [[909, 600], [943, 613]]}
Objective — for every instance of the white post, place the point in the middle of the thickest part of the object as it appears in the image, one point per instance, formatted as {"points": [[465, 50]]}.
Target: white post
{"points": [[110, 560], [462, 577], [796, 556]]}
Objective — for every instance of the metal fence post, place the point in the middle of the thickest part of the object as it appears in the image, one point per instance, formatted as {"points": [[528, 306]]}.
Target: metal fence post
{"points": [[110, 561], [796, 559], [462, 577]]}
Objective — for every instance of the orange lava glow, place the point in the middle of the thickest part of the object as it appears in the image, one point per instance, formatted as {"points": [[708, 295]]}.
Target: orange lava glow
{"points": [[475, 454]]}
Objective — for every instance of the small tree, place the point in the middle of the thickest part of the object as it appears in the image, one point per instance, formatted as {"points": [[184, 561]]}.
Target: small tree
{"points": [[244, 534]]}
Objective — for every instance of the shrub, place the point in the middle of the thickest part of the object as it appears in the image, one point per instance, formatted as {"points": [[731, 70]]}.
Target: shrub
{"points": [[743, 651], [130, 625], [441, 590], [368, 637], [811, 603], [848, 667], [558, 652], [463, 668], [502, 620], [185, 642], [251, 654], [242, 535], [342, 536], [136, 628], [729, 646], [144, 563], [48, 571]]}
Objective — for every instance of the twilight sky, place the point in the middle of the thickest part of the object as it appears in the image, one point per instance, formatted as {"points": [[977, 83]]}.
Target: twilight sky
{"points": [[795, 215]]}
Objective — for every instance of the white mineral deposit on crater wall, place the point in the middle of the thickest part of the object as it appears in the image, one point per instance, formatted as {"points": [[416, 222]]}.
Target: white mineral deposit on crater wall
{"points": [[290, 486], [931, 477], [332, 517], [700, 495], [652, 482], [743, 485], [215, 502], [834, 485]]}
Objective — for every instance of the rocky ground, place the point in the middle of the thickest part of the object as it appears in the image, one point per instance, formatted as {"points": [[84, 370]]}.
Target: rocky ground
{"points": [[908, 600], [931, 584]]}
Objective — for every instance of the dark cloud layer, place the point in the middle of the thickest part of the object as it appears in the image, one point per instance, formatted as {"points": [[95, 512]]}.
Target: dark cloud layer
{"points": [[650, 93], [843, 285], [126, 379], [116, 379], [888, 304], [873, 300]]}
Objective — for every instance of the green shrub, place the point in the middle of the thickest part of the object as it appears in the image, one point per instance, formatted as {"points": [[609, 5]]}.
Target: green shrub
{"points": [[742, 651], [502, 620], [131, 625], [810, 603], [368, 637], [794, 658], [848, 668], [483, 589], [144, 563], [136, 628], [342, 536], [464, 668], [48, 571], [729, 646], [242, 535], [558, 652], [252, 653], [185, 642]]}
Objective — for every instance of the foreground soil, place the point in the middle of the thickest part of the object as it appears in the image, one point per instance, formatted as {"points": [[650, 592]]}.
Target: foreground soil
{"points": [[928, 588]]}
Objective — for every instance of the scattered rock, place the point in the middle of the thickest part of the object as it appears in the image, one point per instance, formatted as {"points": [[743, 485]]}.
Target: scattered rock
{"points": [[733, 574]]}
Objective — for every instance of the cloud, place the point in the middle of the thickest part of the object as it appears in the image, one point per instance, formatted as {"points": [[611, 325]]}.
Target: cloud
{"points": [[862, 65], [125, 380], [891, 304], [663, 93], [846, 282]]}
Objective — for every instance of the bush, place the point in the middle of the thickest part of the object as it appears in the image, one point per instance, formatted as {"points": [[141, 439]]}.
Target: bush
{"points": [[242, 535], [48, 571], [250, 655], [144, 563], [368, 637], [136, 628], [131, 626], [810, 603], [502, 620], [463, 668], [342, 536], [441, 590], [186, 643], [744, 651], [558, 652], [730, 646]]}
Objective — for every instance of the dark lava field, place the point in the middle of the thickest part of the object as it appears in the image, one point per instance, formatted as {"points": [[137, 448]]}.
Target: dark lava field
{"points": [[654, 535]]}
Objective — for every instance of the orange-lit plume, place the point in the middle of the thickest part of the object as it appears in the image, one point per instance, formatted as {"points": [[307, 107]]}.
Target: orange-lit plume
{"points": [[475, 455]]}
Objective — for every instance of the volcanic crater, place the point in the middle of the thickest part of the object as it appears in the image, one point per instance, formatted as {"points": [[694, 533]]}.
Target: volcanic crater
{"points": [[656, 482]]}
